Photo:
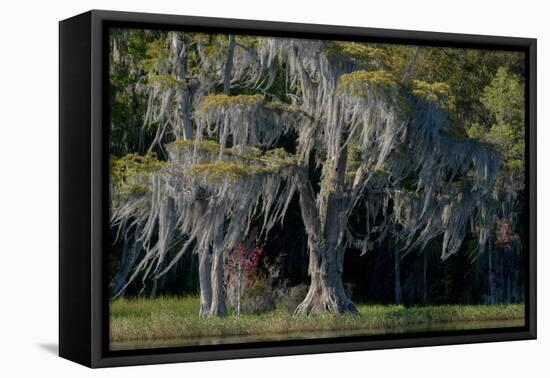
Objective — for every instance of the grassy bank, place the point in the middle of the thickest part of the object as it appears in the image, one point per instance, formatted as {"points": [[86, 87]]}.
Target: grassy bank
{"points": [[177, 318]]}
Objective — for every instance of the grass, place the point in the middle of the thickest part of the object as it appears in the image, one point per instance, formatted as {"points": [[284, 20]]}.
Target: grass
{"points": [[164, 318]]}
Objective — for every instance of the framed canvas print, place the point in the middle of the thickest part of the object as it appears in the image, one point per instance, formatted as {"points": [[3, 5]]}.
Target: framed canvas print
{"points": [[234, 188]]}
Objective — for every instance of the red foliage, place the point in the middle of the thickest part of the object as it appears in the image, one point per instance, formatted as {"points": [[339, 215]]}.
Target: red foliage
{"points": [[505, 233], [244, 262]]}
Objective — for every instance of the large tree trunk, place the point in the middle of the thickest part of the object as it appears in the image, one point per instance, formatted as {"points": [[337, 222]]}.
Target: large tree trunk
{"points": [[205, 264], [326, 255], [205, 283], [217, 307], [326, 291], [128, 261], [212, 293]]}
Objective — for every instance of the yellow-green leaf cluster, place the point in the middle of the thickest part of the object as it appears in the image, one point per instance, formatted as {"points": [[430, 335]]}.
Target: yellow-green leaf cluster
{"points": [[438, 92], [238, 163], [131, 173], [357, 82], [220, 100], [206, 146], [221, 169], [165, 81]]}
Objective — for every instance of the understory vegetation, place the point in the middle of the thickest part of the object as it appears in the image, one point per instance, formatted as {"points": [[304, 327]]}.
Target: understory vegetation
{"points": [[162, 318]]}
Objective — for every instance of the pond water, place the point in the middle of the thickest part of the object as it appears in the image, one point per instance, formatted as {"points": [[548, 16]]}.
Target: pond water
{"points": [[423, 327]]}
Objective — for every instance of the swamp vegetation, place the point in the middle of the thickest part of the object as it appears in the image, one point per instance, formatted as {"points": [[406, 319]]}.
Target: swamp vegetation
{"points": [[292, 180], [173, 321]]}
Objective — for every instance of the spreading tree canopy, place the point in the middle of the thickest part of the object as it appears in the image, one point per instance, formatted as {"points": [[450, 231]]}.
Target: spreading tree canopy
{"points": [[370, 138]]}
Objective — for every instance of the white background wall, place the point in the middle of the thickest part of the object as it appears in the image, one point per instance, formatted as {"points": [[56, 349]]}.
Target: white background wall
{"points": [[29, 189]]}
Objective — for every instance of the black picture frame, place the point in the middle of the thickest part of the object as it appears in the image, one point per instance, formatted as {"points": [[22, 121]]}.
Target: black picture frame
{"points": [[83, 195]]}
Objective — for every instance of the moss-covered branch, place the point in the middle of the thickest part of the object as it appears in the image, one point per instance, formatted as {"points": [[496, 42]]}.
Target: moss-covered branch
{"points": [[131, 173]]}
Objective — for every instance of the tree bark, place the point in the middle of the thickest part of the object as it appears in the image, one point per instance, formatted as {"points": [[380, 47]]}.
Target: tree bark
{"points": [[326, 255], [211, 263], [205, 283], [217, 307], [326, 290], [229, 65], [205, 266], [128, 260], [184, 95], [185, 104]]}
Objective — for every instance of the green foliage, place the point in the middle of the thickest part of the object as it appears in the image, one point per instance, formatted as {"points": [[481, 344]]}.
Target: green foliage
{"points": [[504, 100], [156, 52], [131, 174], [438, 92], [374, 83], [369, 57], [220, 169], [245, 153], [504, 97], [481, 90], [363, 56], [206, 146], [221, 100], [358, 82], [467, 72], [146, 320], [165, 81], [279, 156], [236, 161], [128, 104], [239, 163]]}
